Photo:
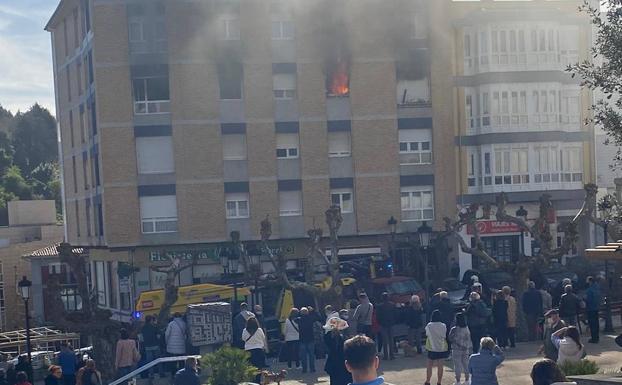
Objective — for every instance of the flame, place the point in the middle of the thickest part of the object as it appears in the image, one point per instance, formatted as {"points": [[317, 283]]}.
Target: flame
{"points": [[339, 84]]}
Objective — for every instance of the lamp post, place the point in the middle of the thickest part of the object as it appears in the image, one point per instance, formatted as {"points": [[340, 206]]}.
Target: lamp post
{"points": [[608, 315], [230, 268], [24, 290], [392, 222], [424, 232], [255, 267], [522, 213]]}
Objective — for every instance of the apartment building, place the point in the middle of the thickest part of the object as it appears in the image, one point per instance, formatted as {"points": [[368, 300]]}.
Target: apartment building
{"points": [[521, 115], [183, 121]]}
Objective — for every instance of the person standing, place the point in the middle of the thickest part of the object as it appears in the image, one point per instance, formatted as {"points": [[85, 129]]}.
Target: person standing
{"points": [[151, 337], [127, 355], [292, 338], [511, 330], [175, 338], [569, 306], [55, 375], [239, 323], [189, 374], [307, 340], [67, 362], [335, 361], [500, 319], [592, 306], [446, 309], [386, 319], [483, 365], [22, 378], [255, 343], [415, 315], [532, 307], [436, 345], [553, 324], [547, 300], [363, 315], [461, 347], [477, 318], [89, 375]]}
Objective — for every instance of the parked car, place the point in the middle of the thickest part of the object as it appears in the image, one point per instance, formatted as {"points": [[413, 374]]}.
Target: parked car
{"points": [[455, 289], [400, 289]]}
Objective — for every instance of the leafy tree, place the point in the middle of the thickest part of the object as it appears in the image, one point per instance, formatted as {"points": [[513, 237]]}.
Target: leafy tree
{"points": [[6, 119], [34, 138], [603, 74], [14, 183]]}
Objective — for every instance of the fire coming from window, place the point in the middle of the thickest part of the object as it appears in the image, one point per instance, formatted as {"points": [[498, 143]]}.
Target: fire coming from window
{"points": [[339, 82]]}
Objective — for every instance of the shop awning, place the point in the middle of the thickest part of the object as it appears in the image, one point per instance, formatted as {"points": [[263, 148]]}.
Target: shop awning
{"points": [[611, 252]]}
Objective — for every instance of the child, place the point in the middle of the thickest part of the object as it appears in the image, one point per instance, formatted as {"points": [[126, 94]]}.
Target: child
{"points": [[436, 345], [460, 339]]}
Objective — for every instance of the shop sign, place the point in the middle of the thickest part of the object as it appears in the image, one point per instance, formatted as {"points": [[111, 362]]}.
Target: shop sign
{"points": [[494, 227], [207, 254]]}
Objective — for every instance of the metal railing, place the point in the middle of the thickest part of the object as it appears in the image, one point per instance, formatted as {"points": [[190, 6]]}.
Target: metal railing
{"points": [[138, 371]]}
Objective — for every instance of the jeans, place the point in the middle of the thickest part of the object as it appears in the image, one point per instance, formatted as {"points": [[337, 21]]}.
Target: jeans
{"points": [[293, 353], [124, 371], [532, 326], [594, 322], [414, 337], [477, 332], [307, 354], [461, 363], [388, 343], [152, 353], [511, 333]]}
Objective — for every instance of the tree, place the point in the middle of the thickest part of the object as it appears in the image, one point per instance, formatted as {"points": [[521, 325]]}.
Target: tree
{"points": [[331, 293], [33, 138], [14, 183], [171, 288], [604, 75]]}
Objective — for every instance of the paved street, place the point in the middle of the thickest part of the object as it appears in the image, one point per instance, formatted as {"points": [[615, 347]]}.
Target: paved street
{"points": [[514, 371]]}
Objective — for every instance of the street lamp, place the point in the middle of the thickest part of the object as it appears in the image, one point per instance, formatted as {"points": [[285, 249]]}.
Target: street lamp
{"points": [[522, 213], [254, 261], [24, 290], [424, 231], [392, 222]]}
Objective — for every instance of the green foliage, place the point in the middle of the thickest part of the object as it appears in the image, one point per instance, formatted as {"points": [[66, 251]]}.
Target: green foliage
{"points": [[580, 368], [28, 158], [228, 366]]}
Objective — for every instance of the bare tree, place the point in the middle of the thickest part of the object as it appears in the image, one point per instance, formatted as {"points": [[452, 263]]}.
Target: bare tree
{"points": [[171, 287]]}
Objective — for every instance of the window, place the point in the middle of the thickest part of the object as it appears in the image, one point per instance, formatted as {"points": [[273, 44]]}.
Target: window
{"points": [[234, 147], [290, 203], [75, 174], [417, 203], [237, 205], [419, 28], [76, 39], [154, 155], [158, 214], [413, 92], [66, 37], [100, 282], [151, 95], [230, 80], [68, 75], [77, 207], [88, 217], [344, 199], [100, 220], [231, 29], [287, 146], [90, 66], [474, 168], [487, 169], [85, 170], [136, 30], [79, 76], [112, 284], [95, 161], [339, 144], [511, 166], [485, 109], [415, 146], [570, 164], [546, 164], [284, 86], [282, 30], [71, 130]]}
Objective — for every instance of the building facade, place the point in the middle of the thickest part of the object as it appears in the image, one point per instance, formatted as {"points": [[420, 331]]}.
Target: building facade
{"points": [[183, 121]]}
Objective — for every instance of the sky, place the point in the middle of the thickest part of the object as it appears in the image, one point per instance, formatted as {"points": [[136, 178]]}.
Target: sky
{"points": [[25, 54]]}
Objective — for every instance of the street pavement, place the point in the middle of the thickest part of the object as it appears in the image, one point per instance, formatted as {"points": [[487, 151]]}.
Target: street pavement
{"points": [[513, 371]]}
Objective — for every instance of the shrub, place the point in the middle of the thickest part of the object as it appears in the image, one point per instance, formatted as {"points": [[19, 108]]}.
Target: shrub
{"points": [[582, 367], [229, 366]]}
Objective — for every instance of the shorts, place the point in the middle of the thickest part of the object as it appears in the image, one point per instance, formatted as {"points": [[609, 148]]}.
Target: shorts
{"points": [[438, 355]]}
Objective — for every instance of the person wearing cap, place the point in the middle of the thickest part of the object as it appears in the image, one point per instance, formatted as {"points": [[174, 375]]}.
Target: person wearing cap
{"points": [[334, 338], [386, 314], [532, 307], [553, 324], [363, 315]]}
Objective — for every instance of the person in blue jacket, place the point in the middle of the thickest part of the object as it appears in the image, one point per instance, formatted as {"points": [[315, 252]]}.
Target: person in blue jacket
{"points": [[532, 306], [483, 365], [592, 305]]}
